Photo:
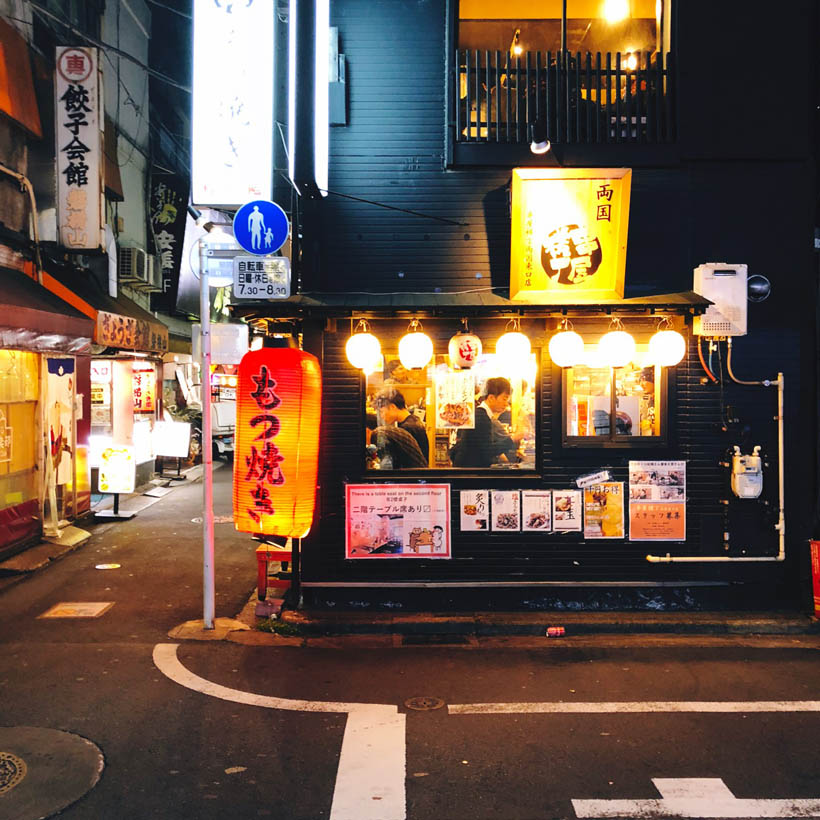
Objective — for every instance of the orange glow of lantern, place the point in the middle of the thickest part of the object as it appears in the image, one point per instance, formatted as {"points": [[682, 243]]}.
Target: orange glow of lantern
{"points": [[279, 402]]}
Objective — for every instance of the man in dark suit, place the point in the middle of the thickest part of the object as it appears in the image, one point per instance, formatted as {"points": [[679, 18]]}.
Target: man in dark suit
{"points": [[481, 446]]}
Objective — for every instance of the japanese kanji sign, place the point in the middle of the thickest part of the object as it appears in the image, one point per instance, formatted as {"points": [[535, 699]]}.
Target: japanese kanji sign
{"points": [[168, 210], [128, 333], [397, 520], [569, 233], [78, 148]]}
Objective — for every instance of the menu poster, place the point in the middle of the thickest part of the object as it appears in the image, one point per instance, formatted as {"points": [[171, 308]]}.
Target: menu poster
{"points": [[657, 500], [455, 400], [397, 521], [536, 510], [566, 511], [475, 510], [506, 510], [604, 510]]}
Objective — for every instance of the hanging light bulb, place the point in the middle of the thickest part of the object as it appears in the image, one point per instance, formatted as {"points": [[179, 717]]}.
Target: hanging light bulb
{"points": [[617, 346], [667, 347], [415, 347], [566, 346], [513, 348], [363, 349]]}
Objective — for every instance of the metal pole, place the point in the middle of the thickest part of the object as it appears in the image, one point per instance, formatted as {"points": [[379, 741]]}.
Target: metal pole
{"points": [[207, 445]]}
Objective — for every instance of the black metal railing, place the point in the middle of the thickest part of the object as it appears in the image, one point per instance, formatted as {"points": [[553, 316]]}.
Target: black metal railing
{"points": [[570, 98]]}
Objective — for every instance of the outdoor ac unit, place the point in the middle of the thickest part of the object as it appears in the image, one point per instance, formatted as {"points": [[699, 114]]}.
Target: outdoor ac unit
{"points": [[153, 277], [725, 286], [132, 265]]}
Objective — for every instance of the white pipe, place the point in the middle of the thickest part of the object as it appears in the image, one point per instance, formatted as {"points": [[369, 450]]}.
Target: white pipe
{"points": [[208, 604], [781, 474], [25, 186]]}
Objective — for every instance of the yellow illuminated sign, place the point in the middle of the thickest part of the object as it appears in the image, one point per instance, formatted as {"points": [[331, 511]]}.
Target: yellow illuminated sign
{"points": [[568, 234]]}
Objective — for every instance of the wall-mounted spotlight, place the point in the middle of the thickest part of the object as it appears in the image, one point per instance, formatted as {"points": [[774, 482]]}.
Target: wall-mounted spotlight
{"points": [[539, 144]]}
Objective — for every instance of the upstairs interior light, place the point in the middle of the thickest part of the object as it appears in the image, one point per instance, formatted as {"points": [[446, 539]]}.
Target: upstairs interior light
{"points": [[516, 49], [616, 10], [513, 348], [566, 347], [415, 347], [667, 347], [617, 347], [363, 349]]}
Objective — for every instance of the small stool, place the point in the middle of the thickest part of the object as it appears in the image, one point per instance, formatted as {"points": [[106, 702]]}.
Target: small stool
{"points": [[266, 553]]}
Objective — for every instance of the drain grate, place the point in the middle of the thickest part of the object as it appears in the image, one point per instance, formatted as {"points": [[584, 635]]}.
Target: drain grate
{"points": [[12, 770], [424, 704], [433, 640]]}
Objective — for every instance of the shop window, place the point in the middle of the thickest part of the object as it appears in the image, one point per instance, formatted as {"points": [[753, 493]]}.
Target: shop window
{"points": [[620, 406], [440, 418]]}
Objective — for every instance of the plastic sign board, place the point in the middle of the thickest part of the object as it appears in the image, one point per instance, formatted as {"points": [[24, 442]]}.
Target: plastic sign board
{"points": [[260, 227], [117, 470], [78, 147], [261, 278], [568, 234], [172, 438], [232, 148]]}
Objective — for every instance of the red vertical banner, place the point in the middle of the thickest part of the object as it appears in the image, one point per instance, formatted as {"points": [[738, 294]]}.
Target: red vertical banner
{"points": [[279, 398], [815, 575]]}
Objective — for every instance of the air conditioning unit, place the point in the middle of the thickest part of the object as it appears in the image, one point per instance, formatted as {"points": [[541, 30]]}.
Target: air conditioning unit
{"points": [[725, 286], [153, 277], [132, 265]]}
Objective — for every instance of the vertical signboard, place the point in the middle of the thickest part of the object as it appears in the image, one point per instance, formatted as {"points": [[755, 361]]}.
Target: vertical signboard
{"points": [[569, 233], [232, 148], [168, 209], [78, 148]]}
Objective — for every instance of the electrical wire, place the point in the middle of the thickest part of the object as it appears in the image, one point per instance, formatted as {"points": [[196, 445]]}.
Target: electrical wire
{"points": [[394, 208], [169, 8]]}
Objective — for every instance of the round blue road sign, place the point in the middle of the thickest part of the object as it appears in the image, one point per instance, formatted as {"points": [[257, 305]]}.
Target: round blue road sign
{"points": [[260, 227]]}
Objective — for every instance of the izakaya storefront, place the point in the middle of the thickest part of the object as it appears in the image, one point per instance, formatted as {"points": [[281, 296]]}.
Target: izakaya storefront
{"points": [[554, 444], [44, 346]]}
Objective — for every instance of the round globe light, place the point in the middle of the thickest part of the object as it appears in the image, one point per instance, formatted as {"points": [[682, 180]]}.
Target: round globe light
{"points": [[617, 348], [566, 348], [667, 348], [513, 349], [363, 351], [415, 349]]}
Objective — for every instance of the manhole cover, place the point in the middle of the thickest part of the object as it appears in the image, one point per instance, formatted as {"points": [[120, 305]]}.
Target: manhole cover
{"points": [[433, 640], [424, 704], [12, 771]]}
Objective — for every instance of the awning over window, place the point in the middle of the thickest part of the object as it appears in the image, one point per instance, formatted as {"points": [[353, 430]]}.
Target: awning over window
{"points": [[17, 98], [33, 318], [119, 322]]}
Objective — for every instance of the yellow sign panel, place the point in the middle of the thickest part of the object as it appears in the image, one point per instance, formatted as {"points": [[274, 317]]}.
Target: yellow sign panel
{"points": [[117, 470], [569, 233]]}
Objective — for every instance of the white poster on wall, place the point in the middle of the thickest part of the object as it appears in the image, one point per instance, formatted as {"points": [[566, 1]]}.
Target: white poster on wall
{"points": [[475, 510], [567, 515], [536, 510], [78, 147], [506, 510]]}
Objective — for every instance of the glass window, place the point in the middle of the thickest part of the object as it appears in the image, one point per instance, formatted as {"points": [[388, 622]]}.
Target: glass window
{"points": [[633, 396], [442, 418]]}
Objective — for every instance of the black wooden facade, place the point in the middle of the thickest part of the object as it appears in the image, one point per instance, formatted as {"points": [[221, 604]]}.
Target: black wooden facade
{"points": [[736, 184]]}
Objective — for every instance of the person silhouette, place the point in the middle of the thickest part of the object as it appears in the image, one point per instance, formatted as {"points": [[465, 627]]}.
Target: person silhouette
{"points": [[256, 224], [268, 237]]}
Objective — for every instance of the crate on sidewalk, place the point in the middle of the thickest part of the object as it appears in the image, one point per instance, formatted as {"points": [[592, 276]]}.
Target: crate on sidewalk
{"points": [[280, 579]]}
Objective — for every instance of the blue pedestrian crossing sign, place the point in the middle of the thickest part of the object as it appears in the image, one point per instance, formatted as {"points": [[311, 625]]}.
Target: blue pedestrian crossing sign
{"points": [[260, 227]]}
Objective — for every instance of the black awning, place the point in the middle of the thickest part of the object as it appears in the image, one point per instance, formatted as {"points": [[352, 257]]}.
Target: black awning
{"points": [[33, 318]]}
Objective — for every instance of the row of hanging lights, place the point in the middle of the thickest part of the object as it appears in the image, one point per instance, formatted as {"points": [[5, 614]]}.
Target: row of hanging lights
{"points": [[616, 348]]}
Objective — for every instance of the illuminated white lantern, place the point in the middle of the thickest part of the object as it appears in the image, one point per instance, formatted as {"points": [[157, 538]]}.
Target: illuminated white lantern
{"points": [[566, 347], [617, 347], [415, 347], [464, 348], [363, 349], [513, 348], [667, 347]]}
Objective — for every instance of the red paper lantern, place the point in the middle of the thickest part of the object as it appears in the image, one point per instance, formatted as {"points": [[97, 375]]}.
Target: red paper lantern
{"points": [[279, 403]]}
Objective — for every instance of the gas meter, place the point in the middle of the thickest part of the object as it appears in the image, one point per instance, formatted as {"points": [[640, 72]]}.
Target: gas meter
{"points": [[747, 473]]}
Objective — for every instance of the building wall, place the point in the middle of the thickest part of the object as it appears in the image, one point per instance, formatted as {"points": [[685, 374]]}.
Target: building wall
{"points": [[741, 190]]}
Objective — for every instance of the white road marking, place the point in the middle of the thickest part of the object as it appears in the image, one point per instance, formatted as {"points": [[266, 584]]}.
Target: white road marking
{"points": [[370, 782], [569, 707], [695, 797]]}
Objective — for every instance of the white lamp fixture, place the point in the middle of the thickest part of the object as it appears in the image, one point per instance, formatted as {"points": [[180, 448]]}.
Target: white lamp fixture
{"points": [[617, 346], [566, 347], [667, 347], [363, 349], [513, 348], [415, 347]]}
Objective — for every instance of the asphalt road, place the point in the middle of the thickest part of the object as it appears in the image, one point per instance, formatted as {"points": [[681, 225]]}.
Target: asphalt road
{"points": [[223, 730]]}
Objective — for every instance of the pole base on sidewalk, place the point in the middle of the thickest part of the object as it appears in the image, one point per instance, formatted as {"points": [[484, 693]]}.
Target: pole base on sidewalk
{"points": [[121, 515]]}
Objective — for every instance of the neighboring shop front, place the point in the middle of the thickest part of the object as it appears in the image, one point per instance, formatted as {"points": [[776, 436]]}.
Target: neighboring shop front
{"points": [[44, 347]]}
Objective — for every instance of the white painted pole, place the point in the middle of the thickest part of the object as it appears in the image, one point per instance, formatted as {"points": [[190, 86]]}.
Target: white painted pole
{"points": [[207, 445]]}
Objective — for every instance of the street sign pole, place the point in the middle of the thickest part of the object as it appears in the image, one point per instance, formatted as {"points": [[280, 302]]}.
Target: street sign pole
{"points": [[208, 598]]}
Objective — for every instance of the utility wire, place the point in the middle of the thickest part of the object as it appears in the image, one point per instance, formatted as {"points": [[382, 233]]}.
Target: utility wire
{"points": [[158, 75], [169, 8], [394, 208]]}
